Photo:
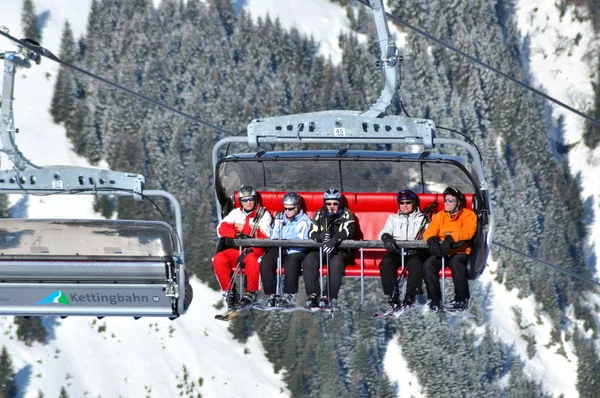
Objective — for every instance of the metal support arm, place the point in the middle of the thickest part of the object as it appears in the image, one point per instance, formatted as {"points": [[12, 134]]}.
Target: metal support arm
{"points": [[389, 61]]}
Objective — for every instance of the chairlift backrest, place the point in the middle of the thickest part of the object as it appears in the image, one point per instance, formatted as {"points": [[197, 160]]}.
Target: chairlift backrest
{"points": [[370, 209]]}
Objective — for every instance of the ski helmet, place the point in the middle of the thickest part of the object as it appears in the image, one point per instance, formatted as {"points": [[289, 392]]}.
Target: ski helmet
{"points": [[407, 194], [292, 199], [460, 198], [246, 190], [332, 194]]}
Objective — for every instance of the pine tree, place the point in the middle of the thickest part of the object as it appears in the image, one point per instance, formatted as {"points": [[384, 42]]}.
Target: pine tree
{"points": [[5, 210], [63, 392], [591, 136], [30, 329], [8, 384], [65, 88], [29, 22]]}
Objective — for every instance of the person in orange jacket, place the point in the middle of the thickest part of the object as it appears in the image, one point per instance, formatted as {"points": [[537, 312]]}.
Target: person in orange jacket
{"points": [[449, 236]]}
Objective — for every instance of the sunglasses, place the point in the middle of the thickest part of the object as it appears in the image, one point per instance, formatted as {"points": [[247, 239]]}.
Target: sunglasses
{"points": [[247, 200], [332, 203], [405, 202], [449, 200], [289, 208]]}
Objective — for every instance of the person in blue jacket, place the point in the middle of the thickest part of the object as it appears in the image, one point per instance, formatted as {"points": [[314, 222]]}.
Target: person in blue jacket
{"points": [[292, 223]]}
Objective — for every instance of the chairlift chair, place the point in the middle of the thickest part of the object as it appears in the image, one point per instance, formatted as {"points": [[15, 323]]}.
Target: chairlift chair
{"points": [[83, 267], [369, 179]]}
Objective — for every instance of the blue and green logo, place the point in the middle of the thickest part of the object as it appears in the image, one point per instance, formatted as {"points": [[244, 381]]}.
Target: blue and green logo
{"points": [[57, 297]]}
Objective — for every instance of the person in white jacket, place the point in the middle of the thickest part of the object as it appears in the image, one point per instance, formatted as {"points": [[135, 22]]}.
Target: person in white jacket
{"points": [[407, 224]]}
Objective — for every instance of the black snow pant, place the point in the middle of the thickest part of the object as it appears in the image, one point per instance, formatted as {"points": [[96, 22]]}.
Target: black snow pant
{"points": [[335, 271], [388, 270], [292, 266], [458, 265]]}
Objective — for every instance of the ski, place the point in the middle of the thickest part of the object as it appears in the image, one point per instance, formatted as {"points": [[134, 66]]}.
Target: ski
{"points": [[460, 314], [280, 309], [235, 311], [228, 315], [385, 314], [321, 309], [396, 312]]}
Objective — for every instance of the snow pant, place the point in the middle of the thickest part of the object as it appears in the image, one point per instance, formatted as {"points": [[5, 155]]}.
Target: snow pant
{"points": [[292, 266], [225, 262], [458, 265], [388, 270], [335, 271]]}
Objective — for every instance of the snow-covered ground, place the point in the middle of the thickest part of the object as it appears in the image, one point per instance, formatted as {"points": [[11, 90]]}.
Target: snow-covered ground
{"points": [[124, 357], [565, 71]]}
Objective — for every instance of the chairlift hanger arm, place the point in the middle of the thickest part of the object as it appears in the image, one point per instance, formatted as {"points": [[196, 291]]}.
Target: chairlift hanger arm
{"points": [[389, 61], [6, 112]]}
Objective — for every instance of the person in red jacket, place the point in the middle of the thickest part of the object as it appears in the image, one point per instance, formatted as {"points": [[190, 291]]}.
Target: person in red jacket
{"points": [[250, 220], [449, 236]]}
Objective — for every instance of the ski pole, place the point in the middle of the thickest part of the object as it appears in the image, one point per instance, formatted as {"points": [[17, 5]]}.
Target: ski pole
{"points": [[327, 258], [231, 284], [362, 278], [402, 281], [321, 271], [279, 272], [443, 281]]}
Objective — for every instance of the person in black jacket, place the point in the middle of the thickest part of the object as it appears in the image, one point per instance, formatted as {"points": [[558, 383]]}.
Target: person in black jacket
{"points": [[332, 224]]}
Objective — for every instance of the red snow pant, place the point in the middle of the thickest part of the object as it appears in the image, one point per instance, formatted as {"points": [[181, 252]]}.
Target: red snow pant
{"points": [[225, 262]]}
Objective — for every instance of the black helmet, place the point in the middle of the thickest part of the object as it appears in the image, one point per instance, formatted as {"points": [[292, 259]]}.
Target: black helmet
{"points": [[293, 199], [461, 200], [332, 194], [246, 190], [407, 194]]}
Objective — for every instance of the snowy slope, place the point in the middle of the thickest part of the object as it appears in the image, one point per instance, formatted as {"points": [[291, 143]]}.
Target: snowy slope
{"points": [[321, 19], [566, 75]]}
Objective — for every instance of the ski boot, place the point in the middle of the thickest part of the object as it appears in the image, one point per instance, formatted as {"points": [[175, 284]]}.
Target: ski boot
{"points": [[312, 301], [273, 300], [324, 302], [435, 306], [409, 301], [288, 300], [231, 298], [248, 299], [458, 305]]}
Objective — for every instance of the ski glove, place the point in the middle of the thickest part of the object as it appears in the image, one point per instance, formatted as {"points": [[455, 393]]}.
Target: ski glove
{"points": [[389, 242], [329, 245], [327, 236], [434, 246], [446, 245], [241, 235], [317, 236]]}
